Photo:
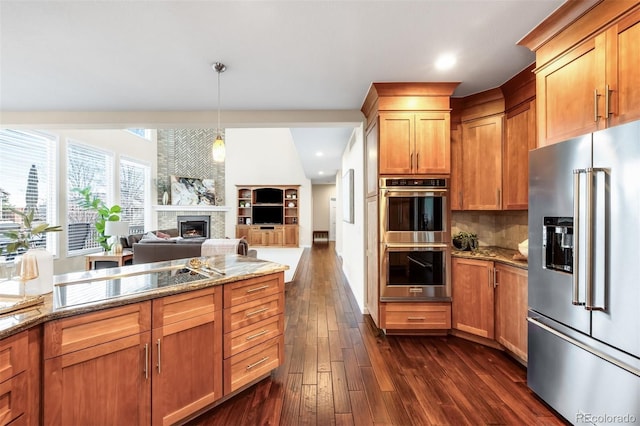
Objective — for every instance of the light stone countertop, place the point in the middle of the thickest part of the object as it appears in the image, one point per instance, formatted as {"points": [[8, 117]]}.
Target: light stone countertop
{"points": [[87, 291], [494, 254]]}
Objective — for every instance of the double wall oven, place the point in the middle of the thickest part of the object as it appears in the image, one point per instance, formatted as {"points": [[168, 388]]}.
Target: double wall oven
{"points": [[415, 253]]}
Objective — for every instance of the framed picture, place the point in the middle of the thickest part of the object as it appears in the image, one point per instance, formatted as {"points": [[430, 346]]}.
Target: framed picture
{"points": [[347, 196], [186, 191]]}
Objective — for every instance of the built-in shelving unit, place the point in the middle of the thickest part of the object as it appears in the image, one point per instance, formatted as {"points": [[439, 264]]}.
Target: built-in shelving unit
{"points": [[268, 215]]}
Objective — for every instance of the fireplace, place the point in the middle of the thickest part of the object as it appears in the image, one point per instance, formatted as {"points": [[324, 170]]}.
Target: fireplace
{"points": [[194, 226]]}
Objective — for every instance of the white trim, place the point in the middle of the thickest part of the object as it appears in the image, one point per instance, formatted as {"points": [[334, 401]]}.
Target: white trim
{"points": [[196, 208]]}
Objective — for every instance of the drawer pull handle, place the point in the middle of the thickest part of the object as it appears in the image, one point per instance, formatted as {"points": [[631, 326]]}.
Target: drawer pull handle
{"points": [[259, 311], [257, 289], [415, 318], [253, 336], [250, 366]]}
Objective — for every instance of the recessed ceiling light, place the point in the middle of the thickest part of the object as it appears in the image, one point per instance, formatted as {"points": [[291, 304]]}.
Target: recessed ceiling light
{"points": [[320, 172], [445, 61], [319, 154]]}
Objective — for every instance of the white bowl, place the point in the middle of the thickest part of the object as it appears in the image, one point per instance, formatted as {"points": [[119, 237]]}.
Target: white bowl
{"points": [[523, 248]]}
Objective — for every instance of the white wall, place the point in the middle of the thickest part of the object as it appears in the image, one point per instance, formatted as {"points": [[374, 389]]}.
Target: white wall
{"points": [[117, 142], [321, 196], [350, 243], [265, 157]]}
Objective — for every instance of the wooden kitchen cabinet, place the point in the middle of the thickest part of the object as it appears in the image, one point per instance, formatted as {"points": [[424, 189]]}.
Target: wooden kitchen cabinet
{"points": [[186, 354], [14, 376], [414, 143], [373, 271], [455, 180], [472, 296], [120, 363], [622, 42], [520, 138], [415, 317], [482, 163], [490, 300], [587, 73], [254, 330], [96, 366], [511, 309]]}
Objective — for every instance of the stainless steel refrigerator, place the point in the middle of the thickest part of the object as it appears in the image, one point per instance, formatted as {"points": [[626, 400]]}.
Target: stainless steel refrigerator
{"points": [[584, 276]]}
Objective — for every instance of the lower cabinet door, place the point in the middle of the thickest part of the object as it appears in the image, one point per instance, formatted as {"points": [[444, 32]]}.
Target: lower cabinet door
{"points": [[109, 383], [187, 367], [13, 395]]}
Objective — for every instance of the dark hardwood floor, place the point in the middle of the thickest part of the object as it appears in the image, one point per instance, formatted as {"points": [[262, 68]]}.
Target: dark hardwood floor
{"points": [[340, 371]]}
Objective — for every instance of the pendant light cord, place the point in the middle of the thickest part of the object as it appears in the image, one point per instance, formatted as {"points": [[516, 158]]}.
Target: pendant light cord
{"points": [[220, 68]]}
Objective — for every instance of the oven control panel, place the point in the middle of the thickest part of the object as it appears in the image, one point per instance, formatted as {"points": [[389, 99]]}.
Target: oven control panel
{"points": [[413, 183]]}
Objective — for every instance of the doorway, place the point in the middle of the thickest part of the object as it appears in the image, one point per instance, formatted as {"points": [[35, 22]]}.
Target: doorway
{"points": [[332, 219]]}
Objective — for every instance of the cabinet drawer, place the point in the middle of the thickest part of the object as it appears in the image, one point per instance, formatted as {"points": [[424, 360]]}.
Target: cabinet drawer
{"points": [[251, 364], [251, 312], [14, 357], [13, 398], [416, 316], [253, 289], [83, 331], [247, 337], [185, 306]]}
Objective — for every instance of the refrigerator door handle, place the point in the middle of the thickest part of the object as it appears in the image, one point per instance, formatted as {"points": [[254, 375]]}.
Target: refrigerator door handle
{"points": [[591, 181], [576, 237]]}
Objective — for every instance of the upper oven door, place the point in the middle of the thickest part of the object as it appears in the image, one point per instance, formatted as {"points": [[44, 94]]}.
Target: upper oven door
{"points": [[414, 216]]}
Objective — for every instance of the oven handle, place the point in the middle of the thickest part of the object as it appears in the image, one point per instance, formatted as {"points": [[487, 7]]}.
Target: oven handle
{"points": [[415, 246], [430, 192]]}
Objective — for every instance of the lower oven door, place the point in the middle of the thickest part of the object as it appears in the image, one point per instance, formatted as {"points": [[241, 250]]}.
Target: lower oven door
{"points": [[415, 272]]}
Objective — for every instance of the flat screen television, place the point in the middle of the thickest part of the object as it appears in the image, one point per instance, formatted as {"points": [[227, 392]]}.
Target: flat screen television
{"points": [[267, 215], [268, 196]]}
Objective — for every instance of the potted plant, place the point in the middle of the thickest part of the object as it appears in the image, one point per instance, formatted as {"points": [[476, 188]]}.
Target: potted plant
{"points": [[24, 241], [465, 240], [29, 234], [105, 213]]}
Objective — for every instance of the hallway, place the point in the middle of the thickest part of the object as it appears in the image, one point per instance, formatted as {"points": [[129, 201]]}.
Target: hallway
{"points": [[340, 371]]}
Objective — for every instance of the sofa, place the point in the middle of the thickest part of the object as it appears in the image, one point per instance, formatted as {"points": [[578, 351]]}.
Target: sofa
{"points": [[156, 246]]}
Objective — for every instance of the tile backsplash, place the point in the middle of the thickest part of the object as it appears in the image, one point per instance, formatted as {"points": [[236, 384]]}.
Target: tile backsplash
{"points": [[502, 229]]}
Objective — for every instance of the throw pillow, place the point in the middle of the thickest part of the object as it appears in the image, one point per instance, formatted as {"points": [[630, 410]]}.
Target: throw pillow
{"points": [[162, 235]]}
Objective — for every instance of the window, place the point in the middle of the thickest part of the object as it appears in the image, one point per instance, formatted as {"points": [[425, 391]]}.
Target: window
{"points": [[134, 184], [143, 133], [28, 170], [92, 168]]}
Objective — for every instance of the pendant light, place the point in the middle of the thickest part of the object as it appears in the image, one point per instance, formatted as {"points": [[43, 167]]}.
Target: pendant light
{"points": [[218, 150]]}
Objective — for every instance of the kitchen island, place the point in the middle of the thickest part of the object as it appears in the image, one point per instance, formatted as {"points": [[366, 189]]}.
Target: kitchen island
{"points": [[153, 343]]}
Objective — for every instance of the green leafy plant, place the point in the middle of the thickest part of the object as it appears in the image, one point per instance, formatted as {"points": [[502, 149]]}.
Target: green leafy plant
{"points": [[30, 232], [465, 240], [105, 213]]}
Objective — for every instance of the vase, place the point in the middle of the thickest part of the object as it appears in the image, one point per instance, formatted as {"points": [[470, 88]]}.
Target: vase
{"points": [[44, 282], [165, 198]]}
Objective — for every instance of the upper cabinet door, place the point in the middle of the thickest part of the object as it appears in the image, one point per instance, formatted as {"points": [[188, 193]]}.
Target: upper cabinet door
{"points": [[569, 101], [371, 158], [623, 78], [520, 138], [396, 143], [432, 143], [482, 163]]}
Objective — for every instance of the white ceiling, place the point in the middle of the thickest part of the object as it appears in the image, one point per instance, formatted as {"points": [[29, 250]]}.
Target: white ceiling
{"points": [[156, 55]]}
